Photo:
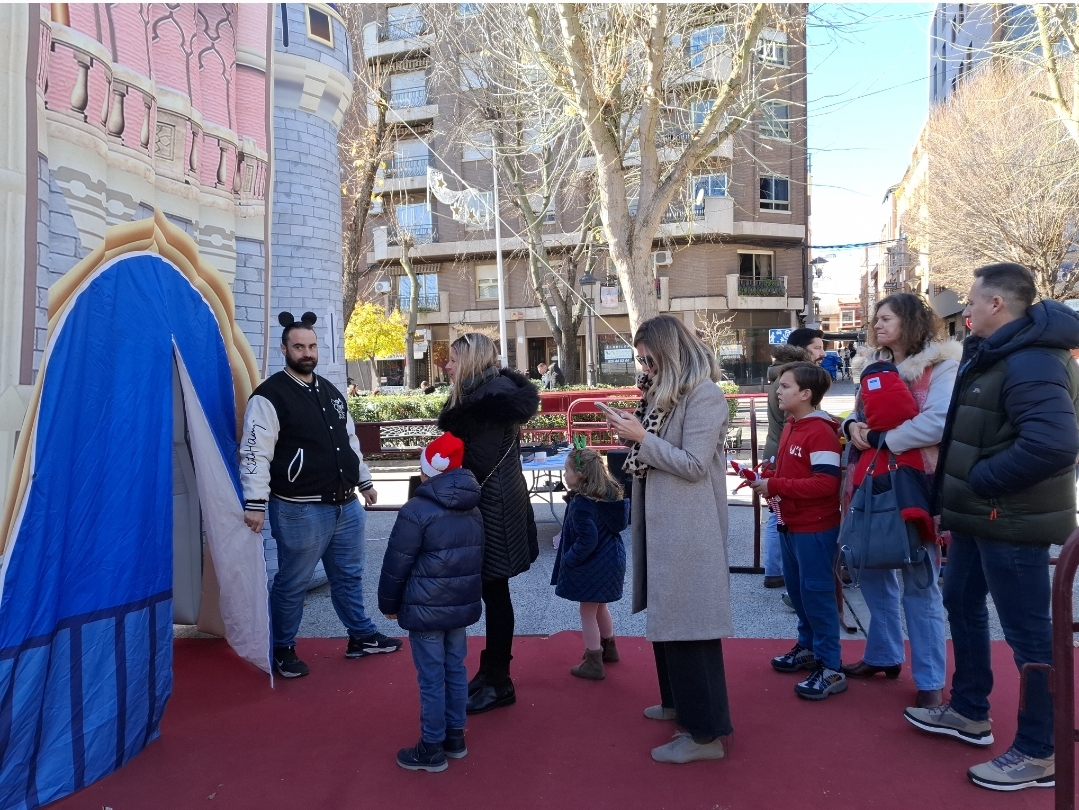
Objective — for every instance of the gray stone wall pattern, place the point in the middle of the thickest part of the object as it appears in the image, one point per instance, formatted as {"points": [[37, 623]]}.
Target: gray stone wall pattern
{"points": [[249, 292], [59, 249]]}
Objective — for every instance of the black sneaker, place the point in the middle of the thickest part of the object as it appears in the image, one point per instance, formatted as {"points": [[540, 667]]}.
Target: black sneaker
{"points": [[359, 646], [287, 664], [797, 659], [454, 744], [423, 757], [822, 683]]}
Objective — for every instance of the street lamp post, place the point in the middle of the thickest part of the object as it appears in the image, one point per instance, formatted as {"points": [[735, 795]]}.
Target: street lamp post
{"points": [[588, 283]]}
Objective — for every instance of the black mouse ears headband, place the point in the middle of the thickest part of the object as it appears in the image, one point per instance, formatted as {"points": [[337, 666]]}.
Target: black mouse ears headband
{"points": [[287, 319]]}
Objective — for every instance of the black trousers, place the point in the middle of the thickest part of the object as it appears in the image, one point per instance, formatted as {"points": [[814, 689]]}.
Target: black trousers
{"points": [[499, 608], [693, 682]]}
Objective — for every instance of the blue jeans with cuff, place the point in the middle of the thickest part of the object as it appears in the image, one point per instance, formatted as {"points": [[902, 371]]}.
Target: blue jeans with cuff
{"points": [[306, 533], [439, 656], [773, 546], [924, 611], [1016, 575], [808, 571]]}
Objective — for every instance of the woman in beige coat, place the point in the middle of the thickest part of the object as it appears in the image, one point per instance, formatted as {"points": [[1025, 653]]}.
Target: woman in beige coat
{"points": [[680, 571]]}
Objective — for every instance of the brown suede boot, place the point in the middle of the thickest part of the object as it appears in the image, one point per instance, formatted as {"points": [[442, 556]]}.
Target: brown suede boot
{"points": [[610, 651], [591, 666]]}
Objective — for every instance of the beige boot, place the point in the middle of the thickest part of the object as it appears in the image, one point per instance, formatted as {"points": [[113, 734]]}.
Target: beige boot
{"points": [[610, 651], [591, 666]]}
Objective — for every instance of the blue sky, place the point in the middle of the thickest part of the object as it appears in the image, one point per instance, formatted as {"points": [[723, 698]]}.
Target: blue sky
{"points": [[868, 97]]}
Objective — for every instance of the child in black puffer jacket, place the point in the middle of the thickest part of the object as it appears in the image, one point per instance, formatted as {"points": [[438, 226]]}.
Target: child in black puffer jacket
{"points": [[590, 566], [431, 583]]}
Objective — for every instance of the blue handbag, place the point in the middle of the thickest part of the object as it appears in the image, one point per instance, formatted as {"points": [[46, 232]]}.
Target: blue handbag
{"points": [[873, 533]]}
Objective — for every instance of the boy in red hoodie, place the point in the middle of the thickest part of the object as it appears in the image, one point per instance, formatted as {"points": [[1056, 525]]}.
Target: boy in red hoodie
{"points": [[804, 492]]}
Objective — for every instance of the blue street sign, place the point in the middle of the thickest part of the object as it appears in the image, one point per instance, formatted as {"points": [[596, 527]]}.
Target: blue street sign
{"points": [[776, 336]]}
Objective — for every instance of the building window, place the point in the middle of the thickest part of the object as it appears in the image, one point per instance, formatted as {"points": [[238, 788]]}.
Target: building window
{"points": [[486, 282], [546, 215], [713, 185], [698, 111], [772, 48], [754, 267], [701, 41], [847, 317], [479, 211], [775, 120], [319, 27], [427, 284], [414, 220], [473, 71], [468, 9], [775, 193]]}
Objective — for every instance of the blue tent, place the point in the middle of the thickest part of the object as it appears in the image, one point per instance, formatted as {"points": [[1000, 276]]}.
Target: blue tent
{"points": [[86, 585]]}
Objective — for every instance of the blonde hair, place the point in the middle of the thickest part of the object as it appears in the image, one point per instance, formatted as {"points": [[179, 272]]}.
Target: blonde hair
{"points": [[475, 354], [596, 480], [682, 360]]}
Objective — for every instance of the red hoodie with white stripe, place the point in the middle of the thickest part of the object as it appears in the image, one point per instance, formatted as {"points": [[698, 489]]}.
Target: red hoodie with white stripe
{"points": [[806, 475]]}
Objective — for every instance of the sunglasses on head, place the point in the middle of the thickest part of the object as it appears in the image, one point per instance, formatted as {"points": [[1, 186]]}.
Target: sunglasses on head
{"points": [[650, 362]]}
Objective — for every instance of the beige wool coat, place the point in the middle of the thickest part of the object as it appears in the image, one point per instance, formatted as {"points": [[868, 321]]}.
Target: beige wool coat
{"points": [[680, 571]]}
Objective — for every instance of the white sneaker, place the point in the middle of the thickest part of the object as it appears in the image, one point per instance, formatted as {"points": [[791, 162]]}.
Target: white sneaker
{"points": [[683, 749]]}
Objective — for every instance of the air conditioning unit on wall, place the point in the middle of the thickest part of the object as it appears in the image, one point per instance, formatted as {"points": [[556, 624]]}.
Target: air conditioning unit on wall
{"points": [[661, 258], [383, 287]]}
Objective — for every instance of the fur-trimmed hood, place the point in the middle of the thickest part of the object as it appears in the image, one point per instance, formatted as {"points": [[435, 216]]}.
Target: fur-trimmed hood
{"points": [[782, 354], [934, 353], [508, 399]]}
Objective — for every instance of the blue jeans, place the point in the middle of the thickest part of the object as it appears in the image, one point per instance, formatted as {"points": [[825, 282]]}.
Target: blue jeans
{"points": [[773, 547], [306, 533], [439, 656], [1017, 577], [808, 570], [924, 611]]}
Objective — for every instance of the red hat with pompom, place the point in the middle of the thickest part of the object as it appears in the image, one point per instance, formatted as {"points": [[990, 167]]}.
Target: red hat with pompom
{"points": [[447, 452]]}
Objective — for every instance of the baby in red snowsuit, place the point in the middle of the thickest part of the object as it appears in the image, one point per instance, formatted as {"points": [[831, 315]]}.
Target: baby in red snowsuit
{"points": [[888, 403]]}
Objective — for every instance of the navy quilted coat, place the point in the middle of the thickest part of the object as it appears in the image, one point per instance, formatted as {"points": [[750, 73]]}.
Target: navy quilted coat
{"points": [[431, 571], [591, 562]]}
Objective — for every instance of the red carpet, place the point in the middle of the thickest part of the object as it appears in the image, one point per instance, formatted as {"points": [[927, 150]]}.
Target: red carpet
{"points": [[328, 741]]}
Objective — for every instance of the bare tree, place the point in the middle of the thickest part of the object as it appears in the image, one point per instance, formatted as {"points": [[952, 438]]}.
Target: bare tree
{"points": [[1002, 184], [715, 331], [364, 142], [628, 74]]}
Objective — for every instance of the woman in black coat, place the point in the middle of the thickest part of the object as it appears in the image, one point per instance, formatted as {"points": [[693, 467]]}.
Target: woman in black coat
{"points": [[486, 409]]}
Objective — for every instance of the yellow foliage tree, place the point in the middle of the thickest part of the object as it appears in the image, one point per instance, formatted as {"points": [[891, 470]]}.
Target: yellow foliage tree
{"points": [[371, 333]]}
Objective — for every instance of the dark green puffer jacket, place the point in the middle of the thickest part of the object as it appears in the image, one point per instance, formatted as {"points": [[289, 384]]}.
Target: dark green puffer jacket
{"points": [[1007, 462]]}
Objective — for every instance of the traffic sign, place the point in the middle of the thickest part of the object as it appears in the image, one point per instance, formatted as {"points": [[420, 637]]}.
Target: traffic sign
{"points": [[777, 336]]}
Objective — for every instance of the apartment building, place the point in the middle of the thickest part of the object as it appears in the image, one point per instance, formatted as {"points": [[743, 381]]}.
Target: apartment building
{"points": [[963, 35], [733, 246]]}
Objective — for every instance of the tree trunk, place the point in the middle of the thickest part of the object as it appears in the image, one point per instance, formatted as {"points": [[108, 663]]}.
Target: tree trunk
{"points": [[568, 358], [413, 313], [361, 206]]}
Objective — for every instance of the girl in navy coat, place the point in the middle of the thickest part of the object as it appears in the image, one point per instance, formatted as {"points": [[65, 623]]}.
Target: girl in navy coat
{"points": [[591, 562]]}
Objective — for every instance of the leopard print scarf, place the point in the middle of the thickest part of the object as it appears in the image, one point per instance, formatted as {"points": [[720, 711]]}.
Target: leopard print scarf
{"points": [[652, 419]]}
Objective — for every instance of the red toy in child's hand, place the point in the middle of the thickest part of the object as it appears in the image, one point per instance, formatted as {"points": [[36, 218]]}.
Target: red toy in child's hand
{"points": [[744, 472]]}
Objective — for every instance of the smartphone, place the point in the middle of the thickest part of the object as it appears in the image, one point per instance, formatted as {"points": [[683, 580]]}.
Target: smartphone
{"points": [[607, 409]]}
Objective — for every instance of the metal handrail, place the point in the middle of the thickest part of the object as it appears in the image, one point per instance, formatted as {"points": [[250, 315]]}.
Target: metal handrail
{"points": [[421, 234], [408, 97], [407, 167], [407, 28], [765, 288]]}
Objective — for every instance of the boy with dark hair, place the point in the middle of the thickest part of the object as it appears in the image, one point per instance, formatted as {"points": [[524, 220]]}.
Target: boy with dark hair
{"points": [[803, 491]]}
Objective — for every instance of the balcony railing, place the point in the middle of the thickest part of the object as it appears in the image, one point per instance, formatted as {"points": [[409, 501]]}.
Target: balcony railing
{"points": [[680, 212], [421, 234], [407, 166], [409, 97], [402, 29], [762, 288], [429, 302]]}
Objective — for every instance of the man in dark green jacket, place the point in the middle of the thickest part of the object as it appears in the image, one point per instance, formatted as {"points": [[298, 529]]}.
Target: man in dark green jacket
{"points": [[1005, 487]]}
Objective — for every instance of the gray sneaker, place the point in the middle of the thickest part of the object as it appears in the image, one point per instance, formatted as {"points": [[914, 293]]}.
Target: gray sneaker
{"points": [[947, 721], [683, 749], [1014, 770]]}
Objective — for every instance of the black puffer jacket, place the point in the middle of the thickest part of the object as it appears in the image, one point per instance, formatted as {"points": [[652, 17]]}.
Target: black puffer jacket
{"points": [[488, 421], [1007, 460], [431, 571]]}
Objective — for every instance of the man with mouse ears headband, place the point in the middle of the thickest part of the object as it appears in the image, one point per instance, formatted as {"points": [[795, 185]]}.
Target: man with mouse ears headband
{"points": [[301, 462]]}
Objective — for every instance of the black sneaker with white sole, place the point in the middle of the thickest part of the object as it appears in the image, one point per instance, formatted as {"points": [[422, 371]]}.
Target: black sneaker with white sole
{"points": [[822, 683], [359, 646], [287, 664], [796, 660], [423, 757]]}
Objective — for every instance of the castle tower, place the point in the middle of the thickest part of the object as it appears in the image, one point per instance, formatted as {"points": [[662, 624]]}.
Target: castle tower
{"points": [[312, 90]]}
